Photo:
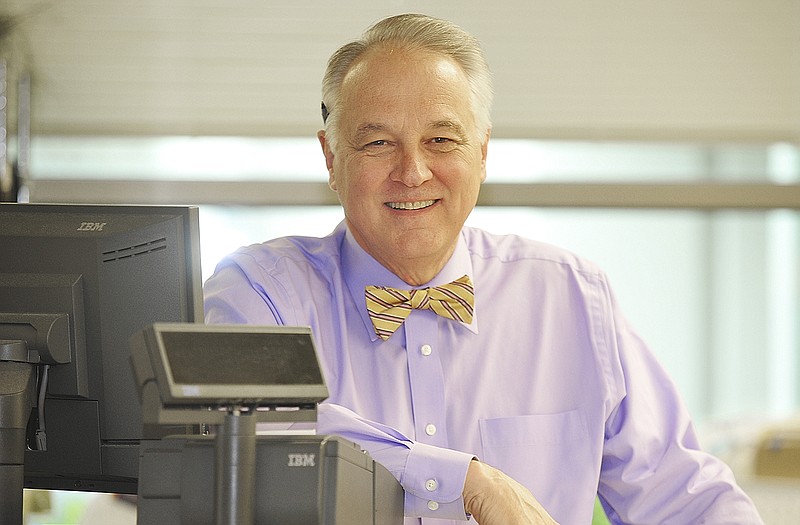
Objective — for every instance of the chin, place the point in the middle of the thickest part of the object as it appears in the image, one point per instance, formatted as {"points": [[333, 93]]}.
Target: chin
{"points": [[423, 244]]}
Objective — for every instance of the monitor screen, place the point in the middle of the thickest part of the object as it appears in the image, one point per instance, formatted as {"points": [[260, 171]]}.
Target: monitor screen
{"points": [[76, 281], [228, 365], [259, 360]]}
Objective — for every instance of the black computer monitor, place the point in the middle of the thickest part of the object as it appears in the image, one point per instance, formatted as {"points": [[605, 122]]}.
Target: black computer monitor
{"points": [[76, 281]]}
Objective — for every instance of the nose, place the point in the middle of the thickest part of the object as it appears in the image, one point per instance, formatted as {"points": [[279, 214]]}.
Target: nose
{"points": [[411, 168]]}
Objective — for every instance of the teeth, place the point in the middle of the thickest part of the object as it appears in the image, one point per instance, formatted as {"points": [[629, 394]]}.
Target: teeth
{"points": [[416, 205]]}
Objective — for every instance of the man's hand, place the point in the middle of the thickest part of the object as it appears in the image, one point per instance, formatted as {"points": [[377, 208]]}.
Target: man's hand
{"points": [[493, 498]]}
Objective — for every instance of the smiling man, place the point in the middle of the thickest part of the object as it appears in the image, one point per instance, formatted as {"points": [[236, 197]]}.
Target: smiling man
{"points": [[492, 375], [409, 159]]}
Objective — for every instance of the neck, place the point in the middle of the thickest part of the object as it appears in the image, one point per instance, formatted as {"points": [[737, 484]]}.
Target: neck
{"points": [[410, 260], [416, 271], [415, 274]]}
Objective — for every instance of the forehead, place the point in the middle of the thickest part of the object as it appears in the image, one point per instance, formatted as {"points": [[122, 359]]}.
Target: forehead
{"points": [[388, 58], [387, 80]]}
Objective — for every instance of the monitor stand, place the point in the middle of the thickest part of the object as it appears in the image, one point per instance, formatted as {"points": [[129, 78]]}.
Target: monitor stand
{"points": [[17, 395]]}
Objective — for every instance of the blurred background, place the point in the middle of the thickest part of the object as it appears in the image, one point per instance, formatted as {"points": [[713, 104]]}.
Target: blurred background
{"points": [[660, 139]]}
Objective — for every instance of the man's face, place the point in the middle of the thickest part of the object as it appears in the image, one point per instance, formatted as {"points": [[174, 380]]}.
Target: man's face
{"points": [[408, 162]]}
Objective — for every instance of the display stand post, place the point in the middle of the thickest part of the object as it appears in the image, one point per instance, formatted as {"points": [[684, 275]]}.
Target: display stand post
{"points": [[234, 483]]}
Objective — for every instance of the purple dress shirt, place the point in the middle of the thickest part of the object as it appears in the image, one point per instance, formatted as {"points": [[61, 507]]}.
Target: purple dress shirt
{"points": [[549, 383]]}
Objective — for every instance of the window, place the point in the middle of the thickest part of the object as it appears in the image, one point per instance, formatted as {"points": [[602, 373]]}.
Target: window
{"points": [[713, 291]]}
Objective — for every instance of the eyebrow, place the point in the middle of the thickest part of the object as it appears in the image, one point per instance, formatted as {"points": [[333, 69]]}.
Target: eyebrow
{"points": [[366, 129], [452, 126]]}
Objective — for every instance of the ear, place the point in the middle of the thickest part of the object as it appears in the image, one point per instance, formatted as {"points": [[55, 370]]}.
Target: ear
{"points": [[484, 152], [326, 150]]}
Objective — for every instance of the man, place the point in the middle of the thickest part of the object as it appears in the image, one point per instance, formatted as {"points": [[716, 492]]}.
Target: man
{"points": [[519, 409]]}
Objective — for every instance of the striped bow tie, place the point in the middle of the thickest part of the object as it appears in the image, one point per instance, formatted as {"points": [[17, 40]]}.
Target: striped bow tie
{"points": [[389, 307]]}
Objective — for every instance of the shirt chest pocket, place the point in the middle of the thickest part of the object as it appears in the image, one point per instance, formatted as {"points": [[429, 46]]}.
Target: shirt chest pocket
{"points": [[548, 453]]}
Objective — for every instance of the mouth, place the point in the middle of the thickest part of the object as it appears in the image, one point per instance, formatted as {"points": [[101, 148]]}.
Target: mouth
{"points": [[414, 205]]}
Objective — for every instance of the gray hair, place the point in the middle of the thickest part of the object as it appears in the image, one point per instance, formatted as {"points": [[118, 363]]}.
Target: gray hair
{"points": [[412, 31]]}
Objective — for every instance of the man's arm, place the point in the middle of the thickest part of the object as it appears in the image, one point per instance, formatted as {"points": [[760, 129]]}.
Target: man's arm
{"points": [[489, 495], [432, 477]]}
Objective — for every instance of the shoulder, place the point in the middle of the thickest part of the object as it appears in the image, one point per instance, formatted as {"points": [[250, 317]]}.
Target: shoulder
{"points": [[294, 248], [271, 280], [295, 252], [511, 250]]}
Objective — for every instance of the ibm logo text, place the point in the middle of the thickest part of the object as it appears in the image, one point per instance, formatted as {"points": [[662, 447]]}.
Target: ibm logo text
{"points": [[302, 460], [91, 226]]}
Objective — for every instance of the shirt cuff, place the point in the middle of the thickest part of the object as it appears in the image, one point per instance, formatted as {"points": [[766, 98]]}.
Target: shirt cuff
{"points": [[434, 481]]}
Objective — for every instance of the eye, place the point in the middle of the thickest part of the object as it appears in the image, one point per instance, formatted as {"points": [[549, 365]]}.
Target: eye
{"points": [[375, 144], [443, 144], [377, 147]]}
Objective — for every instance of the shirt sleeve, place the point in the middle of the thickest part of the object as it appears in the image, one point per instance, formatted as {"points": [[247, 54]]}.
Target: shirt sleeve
{"points": [[654, 470], [432, 477]]}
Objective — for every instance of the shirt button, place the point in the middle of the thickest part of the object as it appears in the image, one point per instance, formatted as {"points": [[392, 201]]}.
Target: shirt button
{"points": [[430, 429], [426, 350], [431, 485], [433, 505]]}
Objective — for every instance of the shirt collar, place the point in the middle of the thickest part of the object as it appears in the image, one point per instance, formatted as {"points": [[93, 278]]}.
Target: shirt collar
{"points": [[360, 269]]}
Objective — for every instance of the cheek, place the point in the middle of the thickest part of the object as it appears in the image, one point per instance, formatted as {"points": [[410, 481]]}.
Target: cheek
{"points": [[342, 178], [363, 178], [352, 191], [463, 176]]}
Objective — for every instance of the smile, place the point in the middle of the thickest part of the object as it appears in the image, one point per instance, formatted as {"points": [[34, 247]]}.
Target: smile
{"points": [[416, 205]]}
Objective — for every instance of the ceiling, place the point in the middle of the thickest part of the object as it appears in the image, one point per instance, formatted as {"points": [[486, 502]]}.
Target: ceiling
{"points": [[712, 70]]}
